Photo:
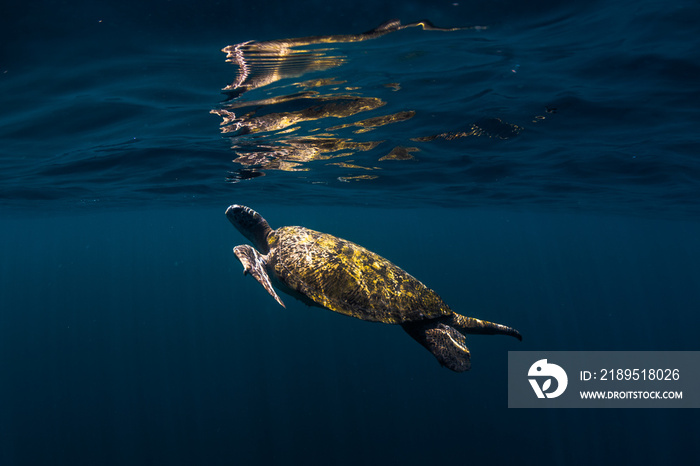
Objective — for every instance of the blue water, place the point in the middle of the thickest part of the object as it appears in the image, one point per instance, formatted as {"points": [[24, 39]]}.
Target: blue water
{"points": [[549, 181]]}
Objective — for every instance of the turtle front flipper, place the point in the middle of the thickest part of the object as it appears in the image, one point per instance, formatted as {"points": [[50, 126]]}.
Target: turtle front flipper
{"points": [[446, 343], [254, 264]]}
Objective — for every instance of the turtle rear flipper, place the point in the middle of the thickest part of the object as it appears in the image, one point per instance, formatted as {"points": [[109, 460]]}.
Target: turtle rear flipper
{"points": [[446, 343], [254, 264], [470, 325]]}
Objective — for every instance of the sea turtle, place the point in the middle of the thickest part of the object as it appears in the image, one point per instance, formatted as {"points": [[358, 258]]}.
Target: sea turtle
{"points": [[323, 270]]}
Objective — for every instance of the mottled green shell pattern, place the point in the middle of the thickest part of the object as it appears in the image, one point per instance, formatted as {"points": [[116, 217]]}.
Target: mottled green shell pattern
{"points": [[347, 278]]}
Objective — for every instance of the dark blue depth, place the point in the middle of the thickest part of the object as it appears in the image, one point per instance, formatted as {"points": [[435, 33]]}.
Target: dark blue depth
{"points": [[128, 334]]}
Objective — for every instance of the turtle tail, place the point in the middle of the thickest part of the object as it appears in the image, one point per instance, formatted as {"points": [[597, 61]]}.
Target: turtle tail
{"points": [[482, 327]]}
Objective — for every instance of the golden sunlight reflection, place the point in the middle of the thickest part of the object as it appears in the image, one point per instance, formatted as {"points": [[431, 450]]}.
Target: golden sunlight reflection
{"points": [[291, 124]]}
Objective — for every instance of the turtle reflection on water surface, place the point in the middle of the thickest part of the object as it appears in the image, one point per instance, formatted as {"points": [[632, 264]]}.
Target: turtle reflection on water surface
{"points": [[323, 270]]}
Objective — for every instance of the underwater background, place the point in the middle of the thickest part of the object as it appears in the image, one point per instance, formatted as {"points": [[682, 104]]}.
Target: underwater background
{"points": [[536, 164]]}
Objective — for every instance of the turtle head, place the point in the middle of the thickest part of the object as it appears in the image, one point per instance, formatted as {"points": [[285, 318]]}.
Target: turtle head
{"points": [[251, 225]]}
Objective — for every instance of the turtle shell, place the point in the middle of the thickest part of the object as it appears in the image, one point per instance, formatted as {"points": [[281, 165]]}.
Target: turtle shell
{"points": [[344, 277]]}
